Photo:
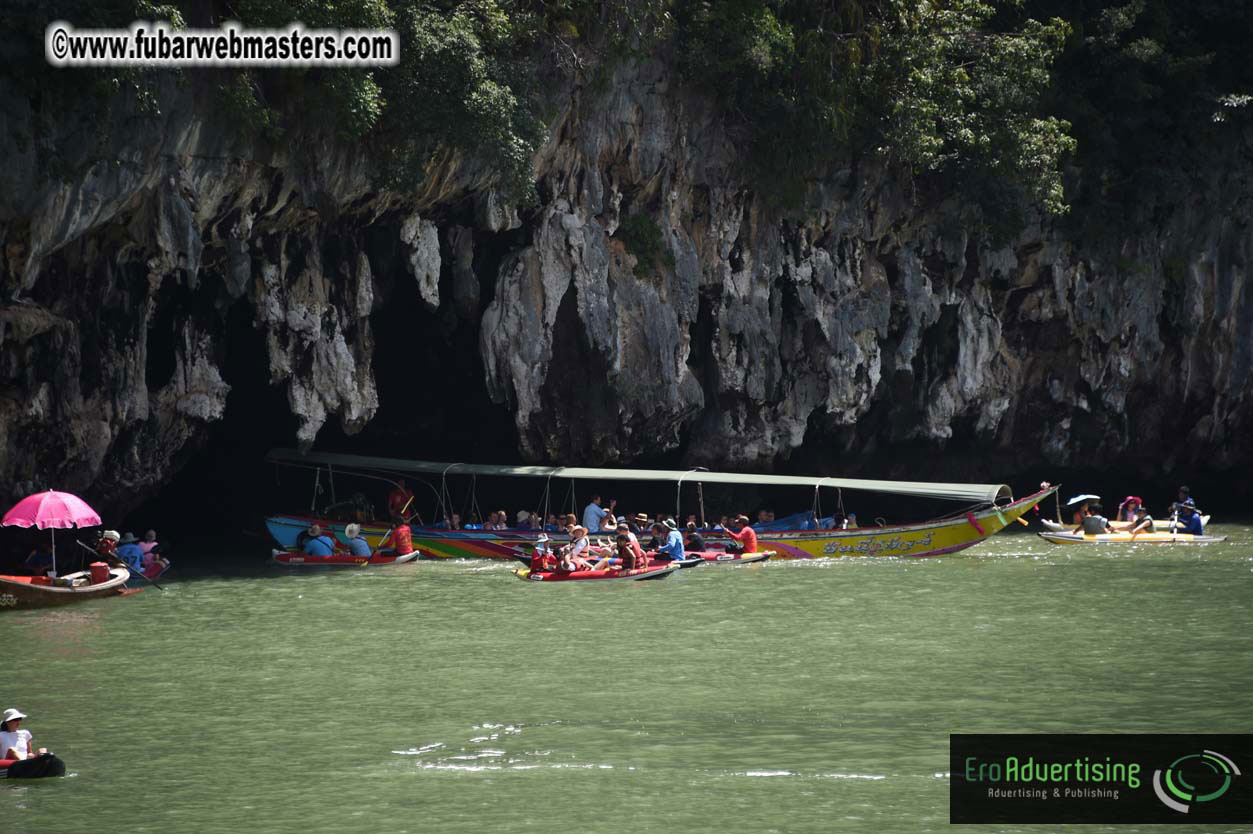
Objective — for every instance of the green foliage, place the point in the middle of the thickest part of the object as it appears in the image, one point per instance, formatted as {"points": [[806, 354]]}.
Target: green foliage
{"points": [[642, 237], [930, 85], [239, 106]]}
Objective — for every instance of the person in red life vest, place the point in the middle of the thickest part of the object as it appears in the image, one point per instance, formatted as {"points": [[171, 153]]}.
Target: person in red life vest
{"points": [[399, 498], [107, 546], [745, 537]]}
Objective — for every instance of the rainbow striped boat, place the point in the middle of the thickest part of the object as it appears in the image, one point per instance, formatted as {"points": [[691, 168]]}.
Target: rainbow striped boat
{"points": [[996, 510]]}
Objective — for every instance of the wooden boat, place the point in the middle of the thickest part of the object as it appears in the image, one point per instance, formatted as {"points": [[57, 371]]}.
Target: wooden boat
{"points": [[36, 767], [1127, 538], [40, 591], [292, 558], [996, 510], [1161, 525], [641, 574]]}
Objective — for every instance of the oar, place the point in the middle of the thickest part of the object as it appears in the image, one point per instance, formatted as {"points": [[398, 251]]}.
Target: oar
{"points": [[119, 563]]}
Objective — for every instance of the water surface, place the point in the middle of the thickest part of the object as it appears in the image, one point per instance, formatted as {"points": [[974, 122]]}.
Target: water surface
{"points": [[449, 697]]}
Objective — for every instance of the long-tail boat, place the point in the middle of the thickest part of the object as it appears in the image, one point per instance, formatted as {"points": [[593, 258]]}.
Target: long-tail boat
{"points": [[989, 509], [40, 591]]}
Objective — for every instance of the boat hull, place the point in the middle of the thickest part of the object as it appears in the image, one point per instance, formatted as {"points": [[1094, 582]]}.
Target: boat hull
{"points": [[931, 538], [36, 767], [651, 572], [31, 592], [293, 559], [1127, 538]]}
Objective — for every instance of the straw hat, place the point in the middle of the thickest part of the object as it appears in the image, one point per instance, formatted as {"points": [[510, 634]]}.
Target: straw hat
{"points": [[352, 530], [642, 518], [12, 714]]}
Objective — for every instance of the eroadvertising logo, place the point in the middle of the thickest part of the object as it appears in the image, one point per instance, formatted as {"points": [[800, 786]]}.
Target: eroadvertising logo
{"points": [[1072, 778]]}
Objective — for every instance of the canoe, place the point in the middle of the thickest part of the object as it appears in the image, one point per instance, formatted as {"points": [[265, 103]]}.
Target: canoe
{"points": [[1127, 538], [1161, 525], [929, 538], [36, 767], [295, 559], [651, 572], [40, 591], [727, 557]]}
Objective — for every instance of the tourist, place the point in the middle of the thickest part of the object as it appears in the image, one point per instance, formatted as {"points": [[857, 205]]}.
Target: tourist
{"points": [[723, 523], [454, 523], [634, 542], [1127, 509], [398, 499], [524, 521], [1094, 523], [1080, 513], [672, 548], [15, 743], [551, 525], [744, 537], [1184, 497], [357, 545], [763, 517], [128, 551], [573, 555], [609, 523], [1189, 519], [542, 558], [694, 541], [1143, 522], [317, 543], [153, 563], [594, 514], [639, 523], [850, 523], [618, 556]]}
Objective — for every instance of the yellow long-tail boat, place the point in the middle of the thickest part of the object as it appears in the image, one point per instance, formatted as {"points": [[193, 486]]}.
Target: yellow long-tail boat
{"points": [[990, 508]]}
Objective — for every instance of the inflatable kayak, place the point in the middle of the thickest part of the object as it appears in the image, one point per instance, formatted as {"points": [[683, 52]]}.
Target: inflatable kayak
{"points": [[1162, 526], [727, 557], [35, 767], [1127, 538], [651, 572], [295, 559]]}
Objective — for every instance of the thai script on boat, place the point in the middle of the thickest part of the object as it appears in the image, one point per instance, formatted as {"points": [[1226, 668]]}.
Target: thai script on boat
{"points": [[8, 600], [871, 546]]}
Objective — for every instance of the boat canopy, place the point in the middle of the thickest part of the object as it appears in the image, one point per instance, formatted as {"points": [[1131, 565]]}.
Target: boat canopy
{"points": [[983, 493]]}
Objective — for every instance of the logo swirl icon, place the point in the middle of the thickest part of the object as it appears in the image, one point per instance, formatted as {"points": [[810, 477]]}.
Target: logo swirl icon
{"points": [[1194, 779]]}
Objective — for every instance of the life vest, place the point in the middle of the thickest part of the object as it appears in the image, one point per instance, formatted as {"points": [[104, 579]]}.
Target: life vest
{"points": [[106, 547], [402, 541], [543, 560]]}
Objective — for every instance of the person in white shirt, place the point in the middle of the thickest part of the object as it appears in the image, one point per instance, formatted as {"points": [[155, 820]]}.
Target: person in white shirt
{"points": [[15, 743]]}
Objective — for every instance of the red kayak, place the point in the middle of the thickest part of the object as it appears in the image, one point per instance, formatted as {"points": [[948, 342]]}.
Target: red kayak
{"points": [[653, 571], [293, 558]]}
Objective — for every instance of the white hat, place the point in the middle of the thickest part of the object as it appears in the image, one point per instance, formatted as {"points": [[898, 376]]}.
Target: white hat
{"points": [[523, 515], [543, 537], [11, 714], [111, 535], [352, 530]]}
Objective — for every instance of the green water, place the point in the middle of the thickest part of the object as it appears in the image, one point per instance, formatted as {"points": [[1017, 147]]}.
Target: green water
{"points": [[450, 697]]}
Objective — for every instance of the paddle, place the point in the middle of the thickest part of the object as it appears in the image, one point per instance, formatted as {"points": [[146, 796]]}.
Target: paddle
{"points": [[119, 563]]}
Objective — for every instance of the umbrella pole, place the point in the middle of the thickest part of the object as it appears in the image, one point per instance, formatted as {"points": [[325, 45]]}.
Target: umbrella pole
{"points": [[54, 550]]}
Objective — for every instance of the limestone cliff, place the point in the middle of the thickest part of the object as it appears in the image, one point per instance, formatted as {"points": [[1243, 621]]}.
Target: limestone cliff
{"points": [[871, 320]]}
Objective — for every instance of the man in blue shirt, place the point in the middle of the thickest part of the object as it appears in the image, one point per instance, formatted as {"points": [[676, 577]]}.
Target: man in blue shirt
{"points": [[318, 544], [1189, 520], [129, 551], [357, 545], [594, 514], [673, 548]]}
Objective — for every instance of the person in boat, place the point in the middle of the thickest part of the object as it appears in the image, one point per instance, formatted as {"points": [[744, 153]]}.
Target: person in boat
{"points": [[1189, 519], [1127, 509], [1080, 513], [357, 545], [1143, 522], [594, 514], [574, 555], [633, 541], [318, 543], [153, 562], [672, 547], [639, 523], [619, 555], [1094, 523], [850, 522], [15, 743], [693, 541], [107, 546], [129, 551], [1184, 497], [722, 524], [743, 537], [525, 521], [609, 524], [552, 525], [38, 560], [399, 498]]}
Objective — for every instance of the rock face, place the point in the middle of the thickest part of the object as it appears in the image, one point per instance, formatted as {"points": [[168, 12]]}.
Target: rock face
{"points": [[727, 332]]}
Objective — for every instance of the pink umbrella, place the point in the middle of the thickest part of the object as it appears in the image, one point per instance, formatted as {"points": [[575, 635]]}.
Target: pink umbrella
{"points": [[51, 510]]}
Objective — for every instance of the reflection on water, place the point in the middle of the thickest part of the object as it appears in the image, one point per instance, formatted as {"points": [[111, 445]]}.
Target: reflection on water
{"points": [[789, 696]]}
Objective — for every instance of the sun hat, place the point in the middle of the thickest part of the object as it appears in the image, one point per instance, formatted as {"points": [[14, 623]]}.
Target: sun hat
{"points": [[523, 515], [111, 535], [352, 530], [543, 537], [670, 523], [129, 538], [641, 517], [12, 714]]}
